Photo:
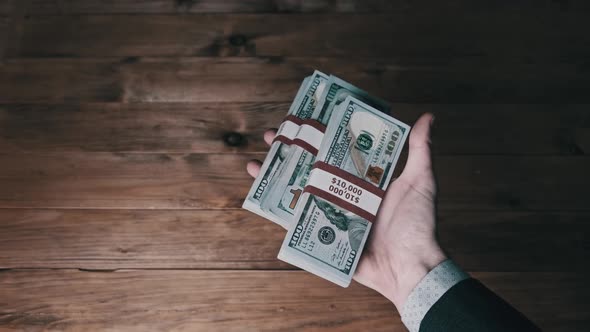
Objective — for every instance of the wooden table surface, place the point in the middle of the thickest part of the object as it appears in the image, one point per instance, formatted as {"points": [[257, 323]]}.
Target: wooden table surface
{"points": [[125, 127]]}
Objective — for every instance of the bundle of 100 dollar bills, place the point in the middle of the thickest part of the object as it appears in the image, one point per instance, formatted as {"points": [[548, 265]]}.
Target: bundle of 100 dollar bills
{"points": [[326, 173]]}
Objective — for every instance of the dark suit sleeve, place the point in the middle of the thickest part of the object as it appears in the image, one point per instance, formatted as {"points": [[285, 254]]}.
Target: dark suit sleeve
{"points": [[470, 306]]}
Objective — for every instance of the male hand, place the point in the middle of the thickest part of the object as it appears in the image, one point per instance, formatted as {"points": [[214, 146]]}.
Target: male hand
{"points": [[402, 246]]}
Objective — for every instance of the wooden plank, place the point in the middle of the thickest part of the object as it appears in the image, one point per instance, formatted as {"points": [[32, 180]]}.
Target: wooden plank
{"points": [[4, 35], [6, 7], [515, 241], [277, 80], [409, 38], [125, 180], [170, 239], [11, 26], [70, 300], [149, 127], [188, 300], [41, 7], [115, 239], [212, 181], [52, 7], [212, 127]]}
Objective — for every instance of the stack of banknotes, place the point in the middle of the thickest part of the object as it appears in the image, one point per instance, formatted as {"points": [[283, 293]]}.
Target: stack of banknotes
{"points": [[326, 173]]}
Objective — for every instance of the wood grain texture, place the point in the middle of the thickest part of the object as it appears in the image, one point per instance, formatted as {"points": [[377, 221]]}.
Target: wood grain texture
{"points": [[71, 300], [205, 181], [41, 7], [52, 7], [188, 300], [125, 127], [6, 7], [4, 27], [409, 37], [11, 26], [165, 239], [514, 129], [145, 127], [276, 79]]}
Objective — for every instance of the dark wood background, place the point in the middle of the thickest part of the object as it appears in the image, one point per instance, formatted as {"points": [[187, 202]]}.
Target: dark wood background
{"points": [[125, 127]]}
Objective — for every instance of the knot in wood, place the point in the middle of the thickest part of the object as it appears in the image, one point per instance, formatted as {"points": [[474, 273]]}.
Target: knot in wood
{"points": [[237, 40], [234, 139]]}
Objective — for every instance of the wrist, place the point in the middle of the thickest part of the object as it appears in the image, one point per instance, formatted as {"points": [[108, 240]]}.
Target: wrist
{"points": [[408, 270]]}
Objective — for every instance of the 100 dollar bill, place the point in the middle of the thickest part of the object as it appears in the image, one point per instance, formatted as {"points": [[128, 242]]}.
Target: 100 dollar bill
{"points": [[326, 238], [288, 187], [302, 107]]}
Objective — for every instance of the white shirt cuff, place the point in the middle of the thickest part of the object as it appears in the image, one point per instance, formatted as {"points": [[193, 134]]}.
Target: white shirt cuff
{"points": [[431, 288]]}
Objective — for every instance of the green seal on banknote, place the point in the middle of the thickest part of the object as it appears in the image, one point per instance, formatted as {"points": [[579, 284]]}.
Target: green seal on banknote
{"points": [[364, 141]]}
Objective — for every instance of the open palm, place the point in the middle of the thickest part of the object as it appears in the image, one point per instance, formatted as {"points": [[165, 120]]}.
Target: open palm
{"points": [[402, 246]]}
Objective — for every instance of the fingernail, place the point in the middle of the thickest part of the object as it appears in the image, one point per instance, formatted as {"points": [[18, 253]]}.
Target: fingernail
{"points": [[432, 120]]}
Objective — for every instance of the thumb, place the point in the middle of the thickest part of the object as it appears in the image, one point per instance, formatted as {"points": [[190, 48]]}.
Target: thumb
{"points": [[419, 163]]}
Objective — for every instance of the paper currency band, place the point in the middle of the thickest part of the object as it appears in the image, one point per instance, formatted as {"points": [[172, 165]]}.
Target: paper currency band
{"points": [[325, 182], [289, 127], [307, 134]]}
